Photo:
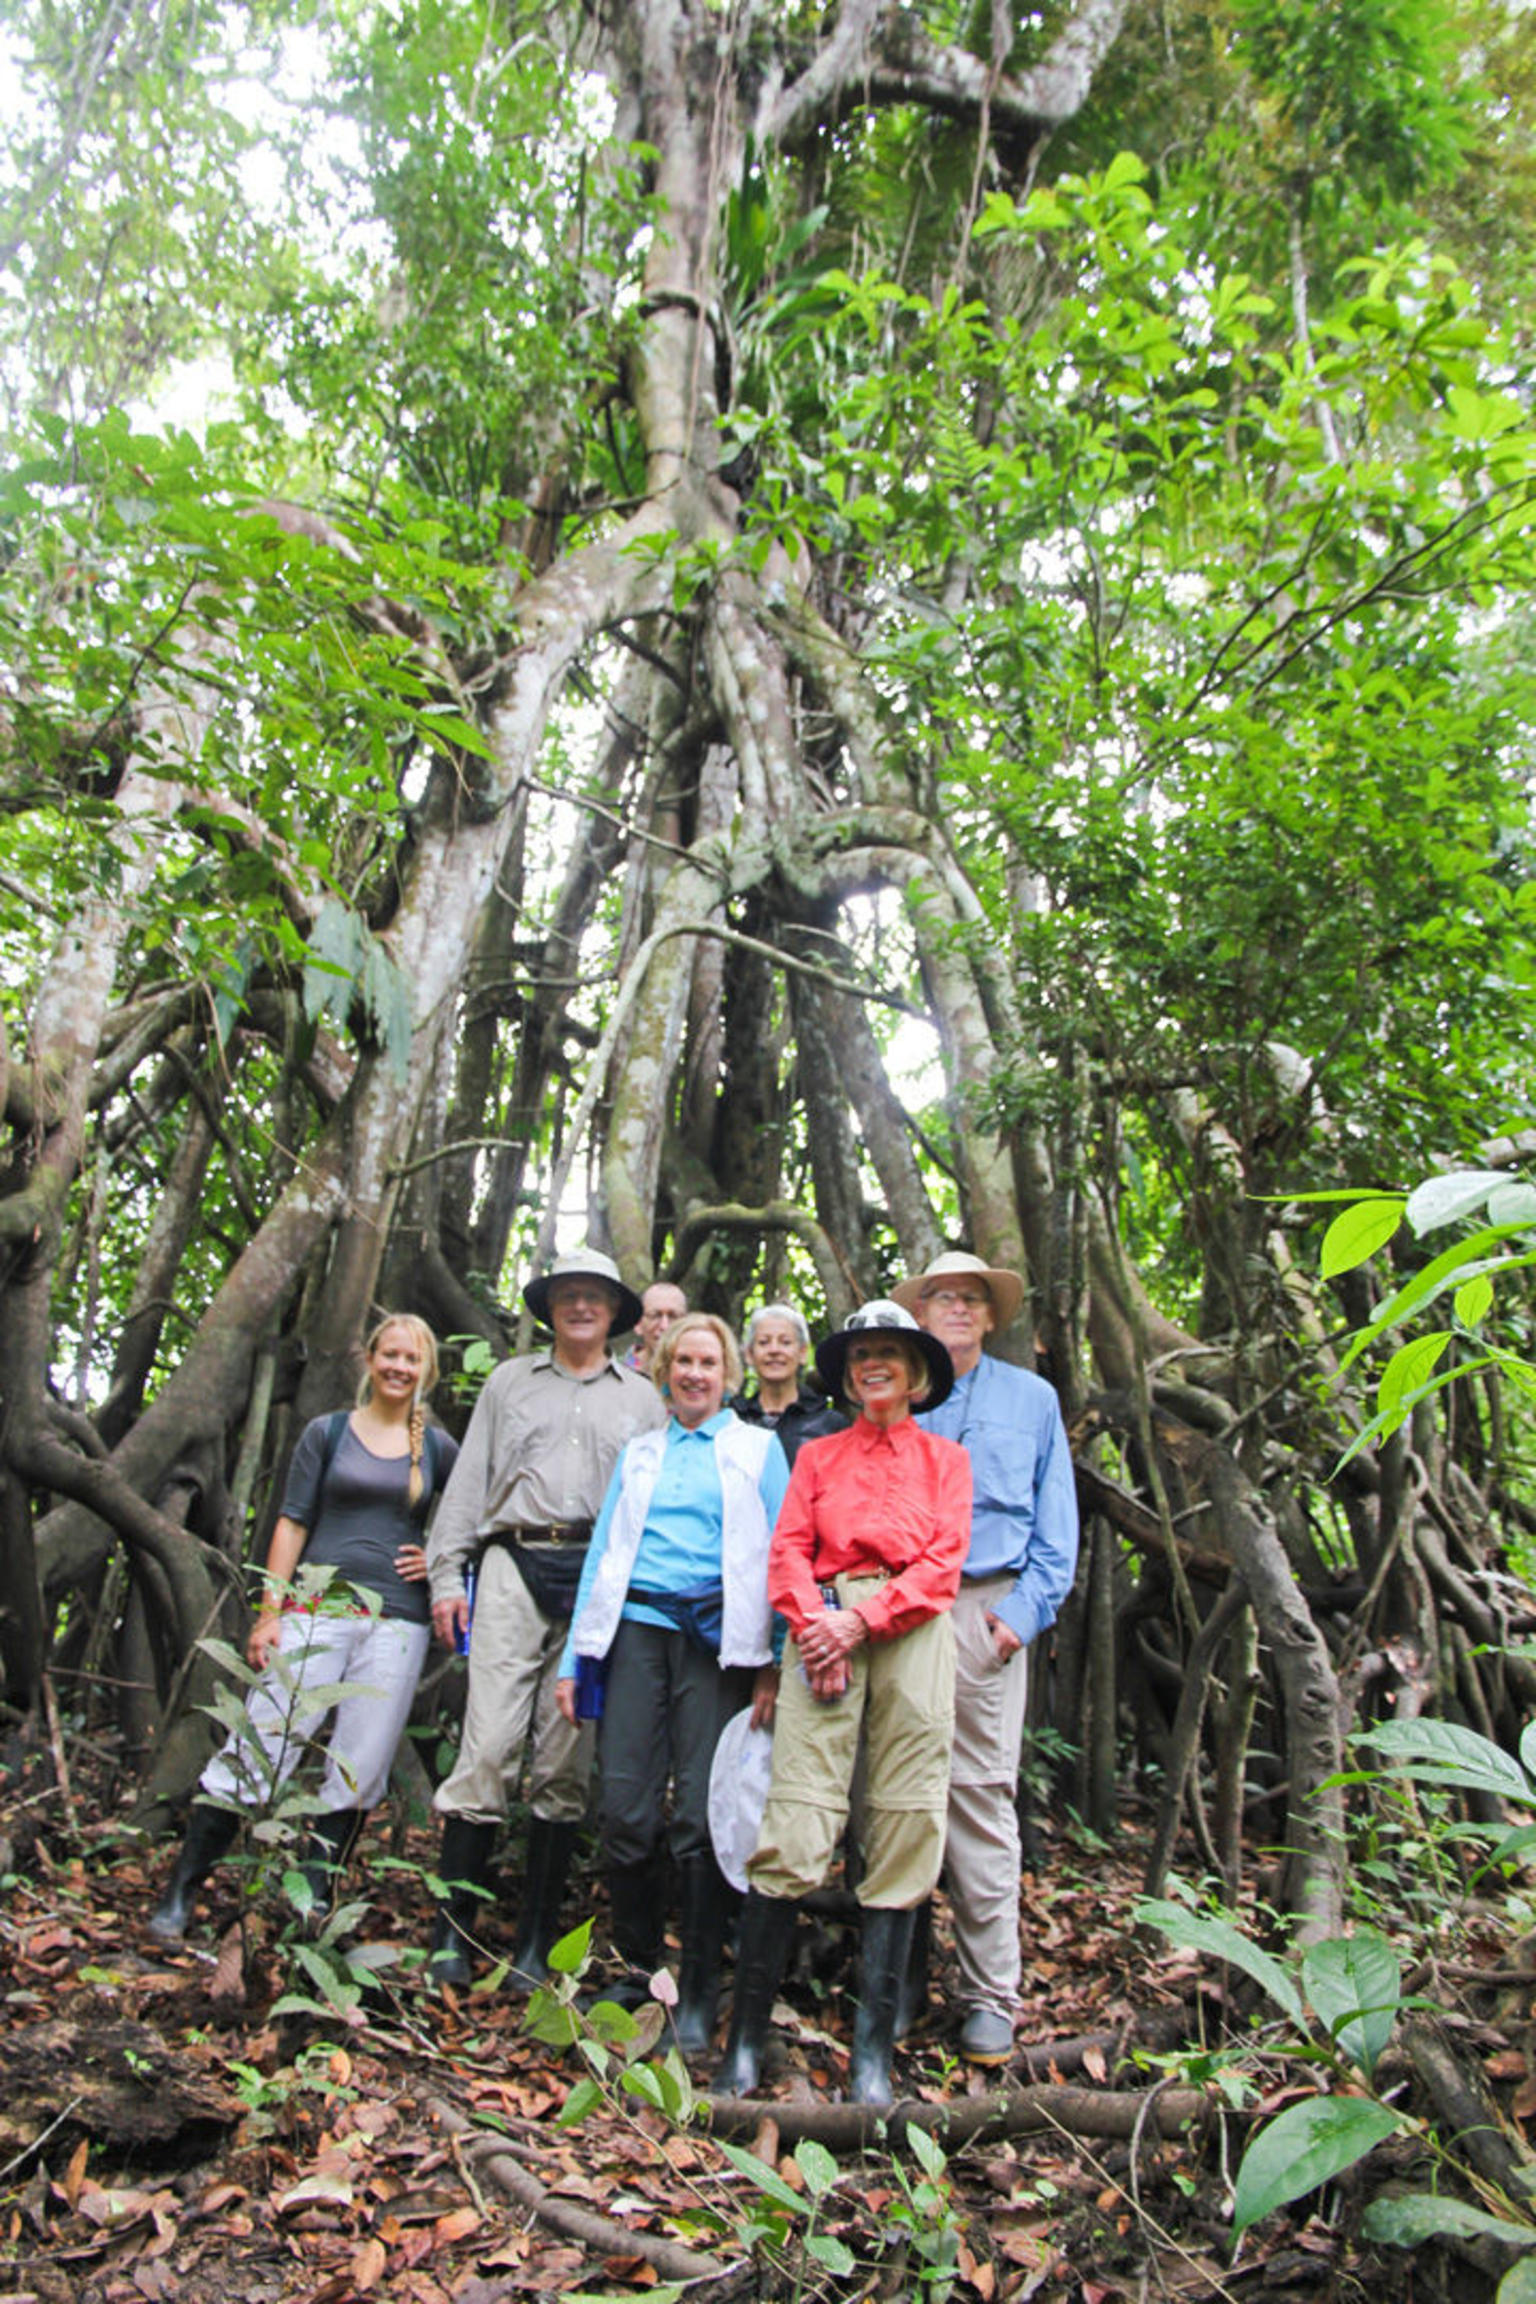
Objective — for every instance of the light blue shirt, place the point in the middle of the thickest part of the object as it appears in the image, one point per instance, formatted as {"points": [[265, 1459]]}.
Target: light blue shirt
{"points": [[1024, 1496], [684, 1522]]}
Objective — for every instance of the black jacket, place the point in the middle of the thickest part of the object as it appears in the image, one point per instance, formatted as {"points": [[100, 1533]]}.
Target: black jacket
{"points": [[807, 1418]]}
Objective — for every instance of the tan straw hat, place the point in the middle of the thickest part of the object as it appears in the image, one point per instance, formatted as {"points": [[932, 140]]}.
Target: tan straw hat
{"points": [[1005, 1288]]}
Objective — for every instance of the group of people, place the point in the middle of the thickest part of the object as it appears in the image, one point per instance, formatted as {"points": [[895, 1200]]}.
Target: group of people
{"points": [[653, 1550]]}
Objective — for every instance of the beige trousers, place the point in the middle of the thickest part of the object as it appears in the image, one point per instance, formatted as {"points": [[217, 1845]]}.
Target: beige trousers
{"points": [[981, 1849], [903, 1693], [514, 1659]]}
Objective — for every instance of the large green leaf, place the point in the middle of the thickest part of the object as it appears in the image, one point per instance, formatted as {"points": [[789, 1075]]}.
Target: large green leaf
{"points": [[1406, 2219], [767, 2180], [1443, 1752], [1409, 1370], [1219, 1940], [1356, 1233], [1304, 2146], [1355, 1985], [1442, 1200]]}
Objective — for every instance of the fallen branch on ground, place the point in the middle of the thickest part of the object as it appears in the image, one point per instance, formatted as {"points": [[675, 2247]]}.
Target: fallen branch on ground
{"points": [[1000, 2112], [495, 2159]]}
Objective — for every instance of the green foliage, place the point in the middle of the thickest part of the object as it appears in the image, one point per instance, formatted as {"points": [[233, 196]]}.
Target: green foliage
{"points": [[1303, 2147], [784, 2218], [1231, 729], [1222, 1940], [614, 2044], [1353, 1987], [1363, 91], [1468, 1272], [1354, 1984], [926, 2214]]}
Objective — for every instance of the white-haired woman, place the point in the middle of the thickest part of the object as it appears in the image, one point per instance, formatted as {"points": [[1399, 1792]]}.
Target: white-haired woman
{"points": [[360, 1486], [674, 1604], [776, 1346]]}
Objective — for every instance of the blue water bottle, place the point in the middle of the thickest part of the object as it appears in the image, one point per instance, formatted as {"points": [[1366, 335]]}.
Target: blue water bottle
{"points": [[461, 1634], [591, 1679]]}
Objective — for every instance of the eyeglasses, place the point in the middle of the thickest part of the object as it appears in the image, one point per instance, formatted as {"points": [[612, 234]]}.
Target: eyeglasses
{"points": [[956, 1296]]}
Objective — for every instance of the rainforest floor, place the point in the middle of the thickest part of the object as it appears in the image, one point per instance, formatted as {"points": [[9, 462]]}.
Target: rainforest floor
{"points": [[227, 2120]]}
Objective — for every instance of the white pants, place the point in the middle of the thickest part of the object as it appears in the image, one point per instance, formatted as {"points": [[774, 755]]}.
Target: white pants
{"points": [[379, 1658]]}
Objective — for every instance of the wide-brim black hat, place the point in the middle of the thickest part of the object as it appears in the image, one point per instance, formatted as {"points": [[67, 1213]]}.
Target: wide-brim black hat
{"points": [[883, 1318], [584, 1264]]}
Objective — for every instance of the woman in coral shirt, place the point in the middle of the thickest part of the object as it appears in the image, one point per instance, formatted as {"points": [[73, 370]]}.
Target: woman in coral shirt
{"points": [[864, 1565]]}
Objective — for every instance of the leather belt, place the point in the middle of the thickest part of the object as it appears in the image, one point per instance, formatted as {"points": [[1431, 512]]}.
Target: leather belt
{"points": [[547, 1532]]}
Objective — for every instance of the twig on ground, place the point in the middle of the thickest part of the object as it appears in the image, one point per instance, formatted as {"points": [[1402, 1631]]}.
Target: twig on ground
{"points": [[38, 2142], [60, 1764]]}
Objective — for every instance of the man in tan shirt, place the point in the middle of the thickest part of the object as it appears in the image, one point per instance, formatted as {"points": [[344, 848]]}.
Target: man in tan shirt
{"points": [[545, 1435]]}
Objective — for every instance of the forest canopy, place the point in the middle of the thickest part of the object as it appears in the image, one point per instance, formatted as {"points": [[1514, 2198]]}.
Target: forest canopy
{"points": [[780, 640]]}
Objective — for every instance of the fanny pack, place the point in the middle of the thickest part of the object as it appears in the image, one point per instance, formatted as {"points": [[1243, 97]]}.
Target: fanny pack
{"points": [[699, 1613], [551, 1572]]}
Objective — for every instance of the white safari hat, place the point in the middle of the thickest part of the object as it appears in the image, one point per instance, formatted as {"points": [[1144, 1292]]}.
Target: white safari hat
{"points": [[584, 1264], [738, 1793]]}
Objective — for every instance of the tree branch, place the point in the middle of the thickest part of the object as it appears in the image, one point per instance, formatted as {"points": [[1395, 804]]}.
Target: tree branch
{"points": [[874, 55]]}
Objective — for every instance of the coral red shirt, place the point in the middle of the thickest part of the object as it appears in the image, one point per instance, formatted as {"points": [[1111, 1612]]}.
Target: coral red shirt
{"points": [[868, 1502]]}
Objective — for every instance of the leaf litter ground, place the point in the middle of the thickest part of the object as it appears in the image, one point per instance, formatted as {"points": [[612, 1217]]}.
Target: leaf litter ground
{"points": [[165, 2134]]}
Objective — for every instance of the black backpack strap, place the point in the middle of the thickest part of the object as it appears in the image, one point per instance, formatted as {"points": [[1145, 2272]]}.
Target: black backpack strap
{"points": [[431, 1464], [335, 1427]]}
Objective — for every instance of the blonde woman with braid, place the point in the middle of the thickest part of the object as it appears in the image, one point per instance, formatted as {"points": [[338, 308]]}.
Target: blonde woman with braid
{"points": [[359, 1490]]}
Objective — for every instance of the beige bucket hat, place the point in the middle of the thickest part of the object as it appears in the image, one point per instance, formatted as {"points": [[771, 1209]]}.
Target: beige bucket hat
{"points": [[1005, 1288]]}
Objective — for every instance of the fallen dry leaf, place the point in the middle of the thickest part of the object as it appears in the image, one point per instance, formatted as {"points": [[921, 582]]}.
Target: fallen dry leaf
{"points": [[228, 1979], [74, 2174], [333, 2185], [456, 2225], [368, 2265]]}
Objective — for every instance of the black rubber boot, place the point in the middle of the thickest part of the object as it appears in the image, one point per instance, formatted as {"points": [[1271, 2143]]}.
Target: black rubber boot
{"points": [[210, 1832], [463, 1862], [912, 2000], [633, 1894], [327, 1853], [762, 1947], [634, 1897], [704, 1897], [545, 1869], [883, 1953]]}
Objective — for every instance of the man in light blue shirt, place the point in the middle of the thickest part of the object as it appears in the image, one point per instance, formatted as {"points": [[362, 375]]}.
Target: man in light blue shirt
{"points": [[1019, 1570]]}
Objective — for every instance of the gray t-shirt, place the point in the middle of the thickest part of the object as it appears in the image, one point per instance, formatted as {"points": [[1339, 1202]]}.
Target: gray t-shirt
{"points": [[358, 1522]]}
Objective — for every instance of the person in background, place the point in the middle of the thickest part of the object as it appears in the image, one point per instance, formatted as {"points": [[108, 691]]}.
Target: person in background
{"points": [[545, 1434], [1018, 1569], [674, 1601], [776, 1347], [359, 1489], [661, 1304], [864, 1565]]}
